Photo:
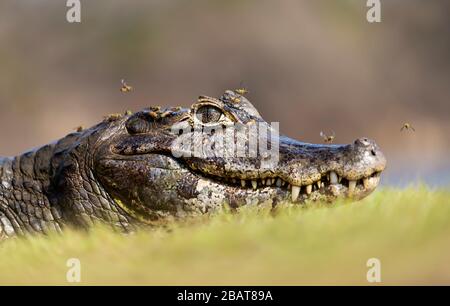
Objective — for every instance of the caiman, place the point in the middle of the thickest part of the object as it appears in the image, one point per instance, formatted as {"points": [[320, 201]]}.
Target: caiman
{"points": [[129, 170]]}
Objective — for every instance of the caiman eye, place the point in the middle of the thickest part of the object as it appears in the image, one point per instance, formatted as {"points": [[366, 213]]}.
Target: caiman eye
{"points": [[208, 114], [138, 125]]}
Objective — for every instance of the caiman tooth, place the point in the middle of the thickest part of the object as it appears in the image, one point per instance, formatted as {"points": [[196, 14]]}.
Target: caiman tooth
{"points": [[319, 184], [339, 179], [308, 189], [366, 182], [254, 184], [351, 187], [295, 192], [333, 177], [243, 183]]}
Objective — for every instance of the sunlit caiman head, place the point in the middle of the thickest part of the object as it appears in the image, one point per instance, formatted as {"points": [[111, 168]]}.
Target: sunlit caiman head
{"points": [[153, 165]]}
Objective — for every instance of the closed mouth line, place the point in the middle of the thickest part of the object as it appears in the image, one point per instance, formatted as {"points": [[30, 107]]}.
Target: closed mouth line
{"points": [[327, 179]]}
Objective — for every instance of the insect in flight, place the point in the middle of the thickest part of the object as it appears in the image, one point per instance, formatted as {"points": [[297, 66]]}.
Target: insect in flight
{"points": [[125, 87], [407, 126], [327, 138], [241, 90]]}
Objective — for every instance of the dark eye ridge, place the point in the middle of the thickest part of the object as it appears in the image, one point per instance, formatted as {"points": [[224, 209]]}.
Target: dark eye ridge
{"points": [[208, 114]]}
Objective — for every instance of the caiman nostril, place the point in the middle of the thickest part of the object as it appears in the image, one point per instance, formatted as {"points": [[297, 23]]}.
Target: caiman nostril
{"points": [[374, 153]]}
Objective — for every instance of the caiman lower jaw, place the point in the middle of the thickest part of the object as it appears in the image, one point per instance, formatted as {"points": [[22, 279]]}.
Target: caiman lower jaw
{"points": [[333, 186], [329, 187]]}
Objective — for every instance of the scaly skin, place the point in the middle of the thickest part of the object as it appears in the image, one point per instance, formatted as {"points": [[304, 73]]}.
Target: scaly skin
{"points": [[124, 172]]}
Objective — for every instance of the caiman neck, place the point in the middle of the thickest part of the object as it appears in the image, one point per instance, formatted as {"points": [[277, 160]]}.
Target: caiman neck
{"points": [[24, 204]]}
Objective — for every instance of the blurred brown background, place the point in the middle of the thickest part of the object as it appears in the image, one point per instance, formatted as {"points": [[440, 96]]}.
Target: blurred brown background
{"points": [[312, 65]]}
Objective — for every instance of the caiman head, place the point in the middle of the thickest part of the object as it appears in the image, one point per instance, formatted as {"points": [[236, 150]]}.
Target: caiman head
{"points": [[177, 162]]}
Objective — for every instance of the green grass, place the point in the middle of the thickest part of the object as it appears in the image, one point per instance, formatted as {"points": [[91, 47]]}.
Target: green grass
{"points": [[408, 230]]}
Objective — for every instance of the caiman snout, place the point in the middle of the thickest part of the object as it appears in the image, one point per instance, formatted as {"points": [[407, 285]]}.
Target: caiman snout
{"points": [[325, 172], [372, 159], [362, 168]]}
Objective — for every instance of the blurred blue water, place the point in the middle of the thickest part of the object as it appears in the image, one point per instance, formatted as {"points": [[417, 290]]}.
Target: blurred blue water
{"points": [[403, 175]]}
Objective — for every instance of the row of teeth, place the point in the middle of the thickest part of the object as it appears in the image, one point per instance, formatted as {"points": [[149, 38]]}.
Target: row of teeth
{"points": [[263, 182], [331, 177]]}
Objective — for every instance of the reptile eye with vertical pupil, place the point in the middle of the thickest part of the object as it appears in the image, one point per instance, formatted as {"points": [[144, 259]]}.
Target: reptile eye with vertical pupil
{"points": [[208, 114]]}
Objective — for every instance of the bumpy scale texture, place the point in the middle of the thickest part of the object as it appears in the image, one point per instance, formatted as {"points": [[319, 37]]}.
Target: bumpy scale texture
{"points": [[124, 172]]}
